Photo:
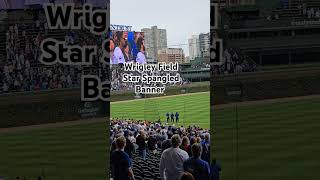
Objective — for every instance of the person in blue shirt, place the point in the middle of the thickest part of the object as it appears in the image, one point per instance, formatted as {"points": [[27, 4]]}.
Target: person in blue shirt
{"points": [[206, 148], [132, 38], [121, 162], [215, 170], [167, 117], [177, 117], [195, 165]]}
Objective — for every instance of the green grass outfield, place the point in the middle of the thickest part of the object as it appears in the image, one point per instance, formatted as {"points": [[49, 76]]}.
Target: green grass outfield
{"points": [[64, 153], [194, 108], [275, 141]]}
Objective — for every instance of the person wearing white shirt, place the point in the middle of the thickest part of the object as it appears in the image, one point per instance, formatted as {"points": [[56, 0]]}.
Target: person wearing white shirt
{"points": [[171, 162], [141, 58], [118, 57]]}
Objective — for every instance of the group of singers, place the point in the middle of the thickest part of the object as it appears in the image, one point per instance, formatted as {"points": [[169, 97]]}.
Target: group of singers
{"points": [[127, 47]]}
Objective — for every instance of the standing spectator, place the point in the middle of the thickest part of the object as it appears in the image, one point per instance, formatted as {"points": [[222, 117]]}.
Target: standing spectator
{"points": [[187, 176], [199, 168], [312, 12], [185, 143], [120, 161], [171, 162], [192, 141], [152, 143], [166, 144], [318, 13], [129, 149], [141, 142], [206, 148], [167, 117], [215, 170]]}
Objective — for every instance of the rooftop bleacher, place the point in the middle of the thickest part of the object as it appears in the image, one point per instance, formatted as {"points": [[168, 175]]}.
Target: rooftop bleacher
{"points": [[280, 16]]}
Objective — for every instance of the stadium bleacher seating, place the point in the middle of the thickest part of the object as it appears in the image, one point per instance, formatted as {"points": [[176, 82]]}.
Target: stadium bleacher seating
{"points": [[148, 169], [294, 8]]}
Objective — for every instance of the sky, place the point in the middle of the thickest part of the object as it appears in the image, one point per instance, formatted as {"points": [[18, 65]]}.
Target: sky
{"points": [[181, 18]]}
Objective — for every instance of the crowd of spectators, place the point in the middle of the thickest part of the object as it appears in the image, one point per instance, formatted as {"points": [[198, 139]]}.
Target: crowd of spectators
{"points": [[309, 12], [303, 10], [234, 62], [182, 149], [21, 71]]}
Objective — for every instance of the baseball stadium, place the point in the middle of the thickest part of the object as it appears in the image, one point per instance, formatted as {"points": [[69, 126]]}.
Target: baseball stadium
{"points": [[266, 91], [47, 132], [149, 122]]}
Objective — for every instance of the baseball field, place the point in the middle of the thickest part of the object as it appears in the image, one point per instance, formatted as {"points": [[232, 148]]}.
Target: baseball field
{"points": [[194, 109], [277, 139], [79, 151]]}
